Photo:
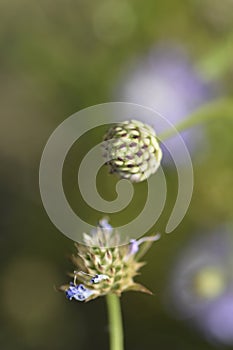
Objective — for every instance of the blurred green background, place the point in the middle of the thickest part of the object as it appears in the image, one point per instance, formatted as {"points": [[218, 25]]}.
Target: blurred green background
{"points": [[58, 57]]}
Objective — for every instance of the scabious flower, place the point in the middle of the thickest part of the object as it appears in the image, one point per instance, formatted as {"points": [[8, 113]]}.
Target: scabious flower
{"points": [[132, 150], [201, 286], [102, 266]]}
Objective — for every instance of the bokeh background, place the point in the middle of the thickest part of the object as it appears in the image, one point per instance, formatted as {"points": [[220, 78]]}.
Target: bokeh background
{"points": [[58, 57]]}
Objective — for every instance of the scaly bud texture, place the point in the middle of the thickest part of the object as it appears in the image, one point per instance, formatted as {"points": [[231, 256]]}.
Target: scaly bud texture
{"points": [[132, 151], [100, 270]]}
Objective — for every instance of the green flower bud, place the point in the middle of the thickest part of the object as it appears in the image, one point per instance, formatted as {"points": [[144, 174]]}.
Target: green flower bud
{"points": [[132, 150]]}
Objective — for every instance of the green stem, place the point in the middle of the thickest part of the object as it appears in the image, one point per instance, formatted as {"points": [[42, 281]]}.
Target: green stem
{"points": [[218, 109], [115, 322]]}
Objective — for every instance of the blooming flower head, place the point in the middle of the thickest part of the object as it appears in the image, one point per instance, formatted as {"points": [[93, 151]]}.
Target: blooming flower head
{"points": [[102, 266]]}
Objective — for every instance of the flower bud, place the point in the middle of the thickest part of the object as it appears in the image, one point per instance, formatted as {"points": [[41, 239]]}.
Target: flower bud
{"points": [[132, 150]]}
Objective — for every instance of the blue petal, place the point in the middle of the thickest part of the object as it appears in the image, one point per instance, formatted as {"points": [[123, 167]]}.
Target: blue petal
{"points": [[79, 292], [105, 225], [134, 247]]}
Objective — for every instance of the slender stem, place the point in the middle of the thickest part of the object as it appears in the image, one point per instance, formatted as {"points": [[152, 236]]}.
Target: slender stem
{"points": [[115, 322], [218, 109]]}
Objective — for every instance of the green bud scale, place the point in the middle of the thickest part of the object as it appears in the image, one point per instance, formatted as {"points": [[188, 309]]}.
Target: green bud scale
{"points": [[132, 151]]}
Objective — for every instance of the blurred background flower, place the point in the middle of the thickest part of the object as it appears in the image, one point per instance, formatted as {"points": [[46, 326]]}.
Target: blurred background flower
{"points": [[201, 286]]}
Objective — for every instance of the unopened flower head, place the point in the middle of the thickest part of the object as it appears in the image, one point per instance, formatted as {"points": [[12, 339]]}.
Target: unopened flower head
{"points": [[100, 269], [132, 150]]}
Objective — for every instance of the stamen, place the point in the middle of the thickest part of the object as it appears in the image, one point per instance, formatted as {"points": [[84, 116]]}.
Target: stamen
{"points": [[99, 278], [134, 244]]}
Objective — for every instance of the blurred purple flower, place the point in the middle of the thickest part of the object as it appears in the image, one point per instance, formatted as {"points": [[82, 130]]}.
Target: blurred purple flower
{"points": [[201, 286], [217, 323], [166, 81]]}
